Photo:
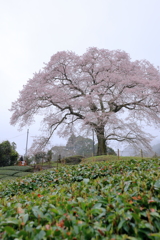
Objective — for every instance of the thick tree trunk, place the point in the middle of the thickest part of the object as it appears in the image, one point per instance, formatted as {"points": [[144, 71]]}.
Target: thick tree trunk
{"points": [[101, 150]]}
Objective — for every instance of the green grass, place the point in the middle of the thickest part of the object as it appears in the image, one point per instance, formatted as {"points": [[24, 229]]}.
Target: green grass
{"points": [[108, 158]]}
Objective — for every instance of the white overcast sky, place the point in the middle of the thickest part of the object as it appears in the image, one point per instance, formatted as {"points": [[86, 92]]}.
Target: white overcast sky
{"points": [[31, 31]]}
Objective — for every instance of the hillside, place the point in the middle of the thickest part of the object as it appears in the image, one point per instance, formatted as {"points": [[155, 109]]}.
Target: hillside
{"points": [[101, 200]]}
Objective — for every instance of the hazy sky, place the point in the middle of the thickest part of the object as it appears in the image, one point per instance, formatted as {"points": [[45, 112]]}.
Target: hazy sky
{"points": [[31, 31]]}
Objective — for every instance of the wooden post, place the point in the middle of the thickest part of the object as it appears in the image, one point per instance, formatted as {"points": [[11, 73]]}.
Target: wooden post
{"points": [[59, 159], [41, 164], [141, 153], [118, 154], [57, 164]]}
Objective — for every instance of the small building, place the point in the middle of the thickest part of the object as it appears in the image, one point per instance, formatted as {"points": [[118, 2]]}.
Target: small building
{"points": [[22, 162]]}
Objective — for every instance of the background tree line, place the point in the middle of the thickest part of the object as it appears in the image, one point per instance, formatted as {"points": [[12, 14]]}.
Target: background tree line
{"points": [[79, 146], [74, 146]]}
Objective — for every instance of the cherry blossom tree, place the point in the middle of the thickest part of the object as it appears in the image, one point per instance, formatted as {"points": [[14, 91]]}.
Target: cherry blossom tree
{"points": [[100, 90]]}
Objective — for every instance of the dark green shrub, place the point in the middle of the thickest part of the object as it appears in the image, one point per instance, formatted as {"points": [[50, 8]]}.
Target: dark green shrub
{"points": [[73, 160], [8, 154]]}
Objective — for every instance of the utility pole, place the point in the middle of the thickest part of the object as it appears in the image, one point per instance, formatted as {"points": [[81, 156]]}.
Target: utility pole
{"points": [[27, 141]]}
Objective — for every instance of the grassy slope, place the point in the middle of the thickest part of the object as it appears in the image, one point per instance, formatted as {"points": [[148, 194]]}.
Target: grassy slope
{"points": [[108, 158]]}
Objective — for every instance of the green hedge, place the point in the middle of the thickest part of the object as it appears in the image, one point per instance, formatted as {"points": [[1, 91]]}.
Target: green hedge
{"points": [[7, 177], [13, 172], [72, 160], [8, 172], [21, 174], [18, 168], [3, 176]]}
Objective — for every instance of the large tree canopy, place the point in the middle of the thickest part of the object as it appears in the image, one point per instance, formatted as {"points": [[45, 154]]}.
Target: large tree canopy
{"points": [[101, 90]]}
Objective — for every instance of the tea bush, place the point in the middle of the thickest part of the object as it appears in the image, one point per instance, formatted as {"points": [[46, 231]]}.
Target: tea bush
{"points": [[106, 200]]}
